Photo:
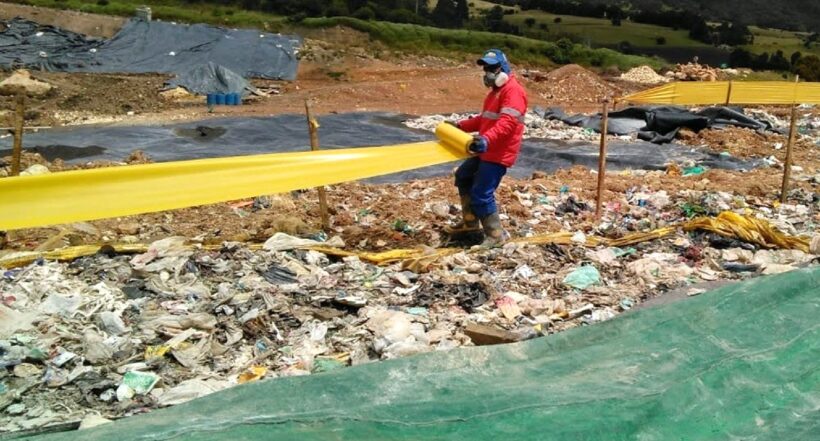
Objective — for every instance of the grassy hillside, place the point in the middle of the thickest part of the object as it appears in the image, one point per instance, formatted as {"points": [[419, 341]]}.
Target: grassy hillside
{"points": [[597, 31], [170, 10], [404, 37], [430, 40], [797, 15], [601, 32]]}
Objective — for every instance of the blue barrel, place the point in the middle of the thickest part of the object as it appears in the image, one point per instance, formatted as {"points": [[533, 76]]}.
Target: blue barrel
{"points": [[210, 99], [220, 99], [231, 100], [237, 99]]}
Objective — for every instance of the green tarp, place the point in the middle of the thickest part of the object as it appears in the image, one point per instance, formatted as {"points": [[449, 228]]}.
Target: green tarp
{"points": [[739, 363]]}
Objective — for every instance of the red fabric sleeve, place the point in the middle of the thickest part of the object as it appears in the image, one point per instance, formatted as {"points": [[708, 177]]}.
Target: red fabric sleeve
{"points": [[470, 124]]}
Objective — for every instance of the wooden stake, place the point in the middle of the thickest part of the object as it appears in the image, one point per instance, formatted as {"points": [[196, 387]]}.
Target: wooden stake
{"points": [[602, 160], [729, 94], [313, 129], [17, 149], [787, 164]]}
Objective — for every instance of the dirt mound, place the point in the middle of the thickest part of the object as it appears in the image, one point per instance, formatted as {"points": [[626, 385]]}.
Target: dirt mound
{"points": [[572, 84], [747, 143], [21, 79], [82, 97]]}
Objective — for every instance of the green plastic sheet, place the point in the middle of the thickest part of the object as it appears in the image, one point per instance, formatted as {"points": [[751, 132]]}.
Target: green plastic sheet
{"points": [[740, 363]]}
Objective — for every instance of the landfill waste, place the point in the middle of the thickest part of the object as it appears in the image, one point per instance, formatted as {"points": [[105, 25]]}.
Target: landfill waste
{"points": [[583, 277], [141, 326], [750, 343]]}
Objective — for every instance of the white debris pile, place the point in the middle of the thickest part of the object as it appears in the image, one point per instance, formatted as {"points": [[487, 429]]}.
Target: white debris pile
{"points": [[534, 127], [643, 75]]}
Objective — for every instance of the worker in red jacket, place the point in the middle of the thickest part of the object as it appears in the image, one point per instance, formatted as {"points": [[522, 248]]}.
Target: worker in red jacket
{"points": [[500, 128]]}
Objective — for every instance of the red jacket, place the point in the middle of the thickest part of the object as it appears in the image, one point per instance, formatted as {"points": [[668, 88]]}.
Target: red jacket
{"points": [[502, 122]]}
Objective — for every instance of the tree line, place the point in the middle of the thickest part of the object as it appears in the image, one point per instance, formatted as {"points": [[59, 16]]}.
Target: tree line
{"points": [[445, 14]]}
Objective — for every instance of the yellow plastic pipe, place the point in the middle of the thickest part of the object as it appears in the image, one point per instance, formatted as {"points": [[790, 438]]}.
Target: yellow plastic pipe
{"points": [[36, 201]]}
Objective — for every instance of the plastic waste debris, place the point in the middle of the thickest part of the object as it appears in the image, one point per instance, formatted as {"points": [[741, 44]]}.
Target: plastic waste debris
{"points": [[583, 277], [694, 170], [136, 383], [253, 373], [191, 389], [284, 242], [92, 420]]}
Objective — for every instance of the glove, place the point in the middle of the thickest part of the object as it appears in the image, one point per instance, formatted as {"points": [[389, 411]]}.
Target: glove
{"points": [[479, 145]]}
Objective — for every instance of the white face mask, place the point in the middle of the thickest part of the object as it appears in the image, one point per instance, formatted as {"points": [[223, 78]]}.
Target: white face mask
{"points": [[492, 79]]}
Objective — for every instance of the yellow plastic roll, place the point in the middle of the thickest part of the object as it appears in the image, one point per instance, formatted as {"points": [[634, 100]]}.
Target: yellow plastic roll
{"points": [[35, 201], [454, 138]]}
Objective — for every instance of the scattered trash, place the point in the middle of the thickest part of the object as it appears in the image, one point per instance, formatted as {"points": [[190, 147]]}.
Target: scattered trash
{"points": [[93, 420], [104, 328], [583, 277], [694, 170], [140, 382], [253, 373]]}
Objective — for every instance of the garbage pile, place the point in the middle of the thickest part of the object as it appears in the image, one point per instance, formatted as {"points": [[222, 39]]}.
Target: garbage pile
{"points": [[113, 335], [643, 75], [694, 72], [535, 126]]}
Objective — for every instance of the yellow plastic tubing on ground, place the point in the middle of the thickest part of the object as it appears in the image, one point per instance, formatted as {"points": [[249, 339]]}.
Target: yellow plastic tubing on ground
{"points": [[734, 92], [727, 224], [35, 201]]}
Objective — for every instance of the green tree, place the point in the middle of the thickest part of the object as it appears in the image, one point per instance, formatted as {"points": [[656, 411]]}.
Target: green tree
{"points": [[530, 22], [445, 14], [795, 57], [808, 68], [365, 13], [337, 8], [494, 20], [462, 10], [779, 62]]}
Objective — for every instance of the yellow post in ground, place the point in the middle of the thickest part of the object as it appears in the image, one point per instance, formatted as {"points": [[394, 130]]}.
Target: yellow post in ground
{"points": [[313, 129], [19, 117], [602, 160], [787, 164]]}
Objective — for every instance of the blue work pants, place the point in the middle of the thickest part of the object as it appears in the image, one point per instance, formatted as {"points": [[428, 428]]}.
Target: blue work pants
{"points": [[479, 179]]}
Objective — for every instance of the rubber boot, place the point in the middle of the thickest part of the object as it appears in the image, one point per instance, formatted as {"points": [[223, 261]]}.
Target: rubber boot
{"points": [[469, 222], [494, 234]]}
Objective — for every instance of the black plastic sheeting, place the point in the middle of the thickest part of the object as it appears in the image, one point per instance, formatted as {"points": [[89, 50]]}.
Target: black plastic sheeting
{"points": [[659, 124], [211, 78], [149, 47], [221, 137]]}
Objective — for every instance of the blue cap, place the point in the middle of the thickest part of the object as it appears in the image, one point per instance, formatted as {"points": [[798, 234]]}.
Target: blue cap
{"points": [[494, 57]]}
